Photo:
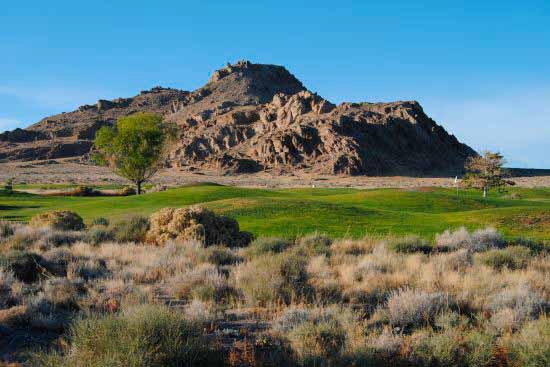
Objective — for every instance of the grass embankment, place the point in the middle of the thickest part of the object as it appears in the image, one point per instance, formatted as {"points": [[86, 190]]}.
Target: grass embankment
{"points": [[337, 212]]}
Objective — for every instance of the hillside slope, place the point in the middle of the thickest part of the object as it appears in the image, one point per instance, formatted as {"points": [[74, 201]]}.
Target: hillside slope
{"points": [[254, 117]]}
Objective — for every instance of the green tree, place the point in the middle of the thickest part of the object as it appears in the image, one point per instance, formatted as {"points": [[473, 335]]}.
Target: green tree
{"points": [[135, 148], [485, 172]]}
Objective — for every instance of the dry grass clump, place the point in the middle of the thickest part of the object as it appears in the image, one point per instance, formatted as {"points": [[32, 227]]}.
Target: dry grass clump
{"points": [[58, 219], [195, 223]]}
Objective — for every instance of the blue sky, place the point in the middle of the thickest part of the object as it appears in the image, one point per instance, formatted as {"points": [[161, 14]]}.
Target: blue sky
{"points": [[479, 68]]}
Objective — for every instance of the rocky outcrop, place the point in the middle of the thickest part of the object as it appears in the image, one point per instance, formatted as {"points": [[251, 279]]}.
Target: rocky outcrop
{"points": [[252, 117]]}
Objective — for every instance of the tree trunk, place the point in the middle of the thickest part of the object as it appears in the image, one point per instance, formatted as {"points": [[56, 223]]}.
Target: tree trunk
{"points": [[138, 184]]}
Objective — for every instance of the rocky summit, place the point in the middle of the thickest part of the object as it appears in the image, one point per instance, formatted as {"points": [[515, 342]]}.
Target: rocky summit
{"points": [[253, 117]]}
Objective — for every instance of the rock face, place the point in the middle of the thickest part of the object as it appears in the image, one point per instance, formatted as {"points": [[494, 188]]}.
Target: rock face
{"points": [[252, 117]]}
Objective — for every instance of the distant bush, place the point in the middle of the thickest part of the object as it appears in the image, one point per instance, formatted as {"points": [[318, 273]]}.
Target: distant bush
{"points": [[220, 256], [61, 220], [84, 191], [133, 229], [314, 244], [265, 245], [127, 191], [97, 235], [100, 221], [414, 308], [6, 230], [480, 240], [409, 244], [513, 258], [142, 336]]}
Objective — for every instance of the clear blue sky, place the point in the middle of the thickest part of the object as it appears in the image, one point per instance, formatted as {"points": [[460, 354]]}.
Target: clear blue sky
{"points": [[480, 68]]}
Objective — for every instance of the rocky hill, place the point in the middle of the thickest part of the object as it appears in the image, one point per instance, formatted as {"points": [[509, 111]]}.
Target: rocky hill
{"points": [[252, 117]]}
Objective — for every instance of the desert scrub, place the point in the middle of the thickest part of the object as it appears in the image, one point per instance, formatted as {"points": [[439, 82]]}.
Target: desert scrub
{"points": [[409, 244], [100, 221], [6, 230], [141, 336], [264, 245], [479, 240], [531, 346], [315, 342], [313, 244], [99, 234], [512, 258], [409, 308], [276, 278], [61, 220], [133, 229]]}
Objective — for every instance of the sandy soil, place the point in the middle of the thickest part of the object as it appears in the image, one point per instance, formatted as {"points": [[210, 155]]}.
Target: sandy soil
{"points": [[52, 172]]}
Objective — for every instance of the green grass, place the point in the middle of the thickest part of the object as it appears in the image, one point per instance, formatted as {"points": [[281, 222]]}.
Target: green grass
{"points": [[337, 212]]}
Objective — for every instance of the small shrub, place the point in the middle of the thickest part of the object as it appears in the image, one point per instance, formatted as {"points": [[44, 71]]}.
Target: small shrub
{"points": [[142, 336], [26, 267], [86, 269], [318, 341], [61, 293], [83, 190], [293, 270], [530, 347], [414, 308], [61, 220], [59, 238], [265, 245], [100, 221], [451, 241], [133, 229], [127, 191], [6, 230], [274, 278], [512, 306], [220, 256], [314, 244], [260, 279], [97, 235], [437, 349], [480, 240], [512, 258], [410, 244], [484, 239], [291, 318]]}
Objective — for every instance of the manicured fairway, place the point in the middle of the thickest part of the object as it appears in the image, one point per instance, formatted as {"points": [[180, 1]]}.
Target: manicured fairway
{"points": [[337, 212]]}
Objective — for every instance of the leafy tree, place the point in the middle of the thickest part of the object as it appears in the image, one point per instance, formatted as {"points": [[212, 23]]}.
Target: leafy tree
{"points": [[485, 172], [135, 148]]}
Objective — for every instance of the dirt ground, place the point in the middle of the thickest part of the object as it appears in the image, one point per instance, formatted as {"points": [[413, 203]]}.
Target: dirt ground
{"points": [[63, 172]]}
